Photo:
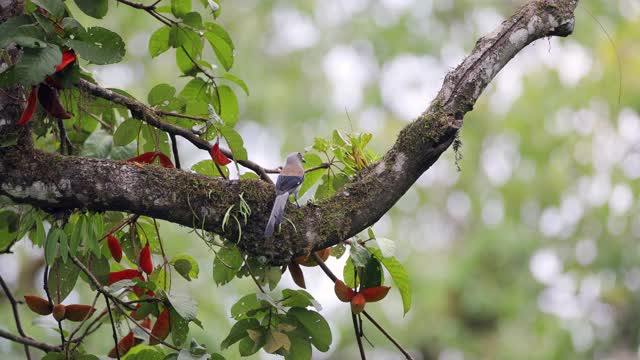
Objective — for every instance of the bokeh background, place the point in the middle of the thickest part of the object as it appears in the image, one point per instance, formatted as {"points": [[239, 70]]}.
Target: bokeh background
{"points": [[529, 251]]}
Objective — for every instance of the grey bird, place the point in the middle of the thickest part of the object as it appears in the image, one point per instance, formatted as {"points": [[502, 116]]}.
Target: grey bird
{"points": [[288, 183]]}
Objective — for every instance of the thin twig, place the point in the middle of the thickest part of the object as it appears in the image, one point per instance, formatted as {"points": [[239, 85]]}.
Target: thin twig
{"points": [[334, 278], [174, 148], [64, 139], [84, 321], [113, 326], [95, 117], [29, 342], [16, 315], [358, 338], [253, 276]]}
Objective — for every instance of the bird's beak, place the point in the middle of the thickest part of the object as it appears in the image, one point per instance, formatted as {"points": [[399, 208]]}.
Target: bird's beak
{"points": [[303, 160]]}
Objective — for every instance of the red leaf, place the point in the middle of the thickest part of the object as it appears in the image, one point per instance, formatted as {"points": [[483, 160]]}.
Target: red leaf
{"points": [[146, 323], [165, 161], [128, 274], [51, 81], [218, 156], [38, 305], [31, 107], [357, 303], [114, 248], [68, 57], [146, 158], [77, 312], [50, 101], [145, 259], [375, 293], [124, 345], [343, 292], [161, 328], [297, 275]]}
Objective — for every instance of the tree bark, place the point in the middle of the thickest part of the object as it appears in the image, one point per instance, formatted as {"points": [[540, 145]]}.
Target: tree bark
{"points": [[56, 182]]}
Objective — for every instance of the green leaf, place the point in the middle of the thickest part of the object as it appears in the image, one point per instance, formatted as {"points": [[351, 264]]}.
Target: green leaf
{"points": [[246, 304], [299, 298], [399, 276], [99, 46], [63, 246], [126, 132], [226, 264], [338, 250], [248, 347], [62, 279], [37, 236], [236, 80], [179, 328], [371, 275], [161, 93], [208, 168], [186, 266], [51, 245], [325, 189], [178, 36], [300, 347], [184, 305], [76, 235], [349, 273], [387, 246], [159, 41], [234, 140], [229, 105], [315, 325], [94, 8], [34, 65], [99, 267], [193, 19], [359, 254], [54, 7], [239, 332], [311, 177], [180, 8], [221, 47], [220, 32], [9, 223], [29, 35]]}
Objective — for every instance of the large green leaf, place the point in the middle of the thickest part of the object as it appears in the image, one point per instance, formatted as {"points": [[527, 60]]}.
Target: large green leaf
{"points": [[9, 222], [180, 8], [399, 276], [62, 279], [311, 177], [99, 46], [179, 328], [160, 94], [159, 41], [208, 168], [226, 264], [237, 81], [229, 105], [186, 266], [54, 7], [94, 8], [315, 325], [239, 332], [234, 140], [126, 132], [223, 51], [32, 68]]}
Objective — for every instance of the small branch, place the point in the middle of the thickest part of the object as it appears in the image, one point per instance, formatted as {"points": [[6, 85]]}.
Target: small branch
{"points": [[321, 166], [182, 116], [383, 331], [65, 143], [253, 276], [84, 321], [334, 278], [29, 342], [174, 148], [95, 117], [358, 337], [16, 315], [113, 327], [143, 112]]}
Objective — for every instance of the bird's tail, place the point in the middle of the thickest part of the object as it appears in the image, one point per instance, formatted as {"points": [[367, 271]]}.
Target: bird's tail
{"points": [[276, 213]]}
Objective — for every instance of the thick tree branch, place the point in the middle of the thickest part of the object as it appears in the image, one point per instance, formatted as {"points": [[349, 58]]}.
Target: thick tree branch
{"points": [[56, 182]]}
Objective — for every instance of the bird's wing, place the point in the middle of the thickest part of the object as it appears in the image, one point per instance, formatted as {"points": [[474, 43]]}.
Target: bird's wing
{"points": [[286, 184]]}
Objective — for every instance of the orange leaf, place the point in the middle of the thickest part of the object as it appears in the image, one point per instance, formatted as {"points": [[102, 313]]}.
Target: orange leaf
{"points": [[59, 311], [297, 275], [78, 312], [343, 292], [116, 276], [124, 345], [68, 57], [30, 108], [161, 328], [375, 293], [165, 161], [38, 305], [357, 303], [218, 156], [114, 247], [145, 259], [306, 260]]}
